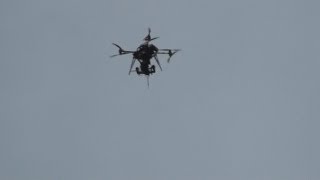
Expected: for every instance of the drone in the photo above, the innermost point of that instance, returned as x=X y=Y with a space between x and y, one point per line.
x=144 y=53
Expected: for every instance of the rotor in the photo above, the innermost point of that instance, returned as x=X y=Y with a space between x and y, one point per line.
x=120 y=51
x=170 y=52
x=148 y=37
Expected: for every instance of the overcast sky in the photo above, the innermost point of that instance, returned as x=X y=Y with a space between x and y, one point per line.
x=241 y=100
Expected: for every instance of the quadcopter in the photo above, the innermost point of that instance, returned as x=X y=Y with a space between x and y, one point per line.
x=144 y=53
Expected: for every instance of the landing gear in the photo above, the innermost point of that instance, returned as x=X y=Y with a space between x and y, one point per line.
x=138 y=71
x=152 y=69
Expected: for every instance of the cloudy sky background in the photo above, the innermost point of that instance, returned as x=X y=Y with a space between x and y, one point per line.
x=241 y=101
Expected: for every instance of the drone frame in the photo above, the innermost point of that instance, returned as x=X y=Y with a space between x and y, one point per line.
x=147 y=39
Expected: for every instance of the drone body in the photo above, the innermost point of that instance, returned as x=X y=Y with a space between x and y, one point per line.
x=144 y=53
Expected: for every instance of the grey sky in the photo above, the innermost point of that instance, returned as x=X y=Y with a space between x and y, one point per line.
x=241 y=101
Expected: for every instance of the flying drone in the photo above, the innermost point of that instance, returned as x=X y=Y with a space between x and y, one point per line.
x=144 y=53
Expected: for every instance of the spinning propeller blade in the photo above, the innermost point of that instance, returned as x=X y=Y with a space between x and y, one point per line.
x=153 y=38
x=114 y=55
x=148 y=37
x=120 y=54
x=170 y=55
x=121 y=51
x=170 y=52
x=169 y=49
x=117 y=45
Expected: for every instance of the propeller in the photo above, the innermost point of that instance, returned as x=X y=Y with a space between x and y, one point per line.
x=170 y=52
x=148 y=37
x=118 y=55
x=154 y=38
x=121 y=51
x=169 y=49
